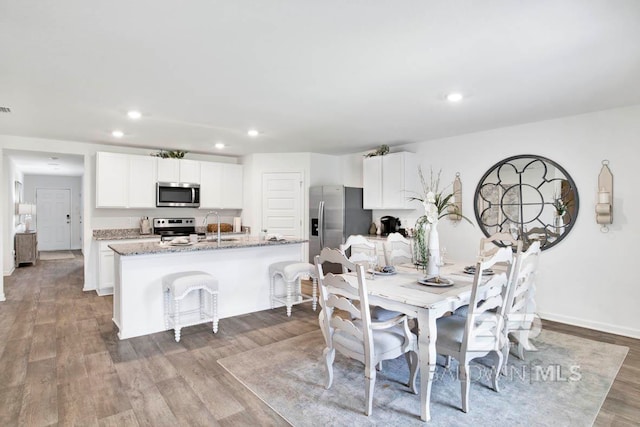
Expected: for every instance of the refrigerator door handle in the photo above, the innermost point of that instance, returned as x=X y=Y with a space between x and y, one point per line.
x=321 y=223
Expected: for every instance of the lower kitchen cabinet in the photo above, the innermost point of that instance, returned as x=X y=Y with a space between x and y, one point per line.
x=106 y=265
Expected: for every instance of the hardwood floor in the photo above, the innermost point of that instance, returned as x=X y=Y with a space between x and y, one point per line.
x=62 y=363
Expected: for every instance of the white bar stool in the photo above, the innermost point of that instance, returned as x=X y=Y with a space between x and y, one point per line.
x=291 y=272
x=176 y=287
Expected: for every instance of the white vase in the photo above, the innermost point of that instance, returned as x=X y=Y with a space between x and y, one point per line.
x=433 y=265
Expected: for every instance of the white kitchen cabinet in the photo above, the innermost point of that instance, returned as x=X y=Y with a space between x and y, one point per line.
x=372 y=183
x=142 y=183
x=390 y=180
x=210 y=185
x=232 y=186
x=125 y=181
x=178 y=170
x=221 y=186
x=106 y=266
x=112 y=178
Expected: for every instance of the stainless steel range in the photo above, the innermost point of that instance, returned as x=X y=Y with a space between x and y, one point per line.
x=168 y=228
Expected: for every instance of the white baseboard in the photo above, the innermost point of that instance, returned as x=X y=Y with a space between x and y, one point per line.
x=10 y=272
x=2 y=298
x=598 y=326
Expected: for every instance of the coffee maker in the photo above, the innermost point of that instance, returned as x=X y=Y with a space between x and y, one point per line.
x=390 y=224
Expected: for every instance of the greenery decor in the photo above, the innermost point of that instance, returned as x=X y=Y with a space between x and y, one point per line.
x=384 y=149
x=437 y=204
x=167 y=154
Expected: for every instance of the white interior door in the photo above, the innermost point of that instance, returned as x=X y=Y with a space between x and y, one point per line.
x=53 y=218
x=282 y=198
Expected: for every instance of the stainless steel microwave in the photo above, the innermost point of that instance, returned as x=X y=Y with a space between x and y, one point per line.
x=177 y=194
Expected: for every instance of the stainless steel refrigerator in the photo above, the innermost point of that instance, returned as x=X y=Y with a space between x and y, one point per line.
x=336 y=212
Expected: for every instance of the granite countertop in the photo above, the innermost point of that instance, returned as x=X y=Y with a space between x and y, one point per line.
x=121 y=234
x=147 y=248
x=134 y=233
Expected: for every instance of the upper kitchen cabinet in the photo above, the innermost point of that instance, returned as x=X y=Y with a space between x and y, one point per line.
x=221 y=186
x=125 y=181
x=142 y=184
x=178 y=170
x=390 y=180
x=232 y=186
x=112 y=178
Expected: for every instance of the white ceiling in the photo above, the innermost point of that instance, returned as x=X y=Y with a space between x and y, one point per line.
x=320 y=76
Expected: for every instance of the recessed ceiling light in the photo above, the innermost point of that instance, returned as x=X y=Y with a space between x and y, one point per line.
x=455 y=97
x=219 y=145
x=253 y=133
x=117 y=134
x=134 y=115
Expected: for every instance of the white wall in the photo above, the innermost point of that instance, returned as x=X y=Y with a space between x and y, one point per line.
x=586 y=279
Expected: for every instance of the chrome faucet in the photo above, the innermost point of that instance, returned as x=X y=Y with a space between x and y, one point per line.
x=204 y=222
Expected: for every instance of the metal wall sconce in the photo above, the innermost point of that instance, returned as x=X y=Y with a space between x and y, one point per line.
x=455 y=208
x=604 y=207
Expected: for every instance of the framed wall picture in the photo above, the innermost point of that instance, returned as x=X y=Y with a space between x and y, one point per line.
x=17 y=199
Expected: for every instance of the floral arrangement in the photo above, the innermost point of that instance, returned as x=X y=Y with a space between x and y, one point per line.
x=384 y=149
x=164 y=154
x=559 y=205
x=437 y=204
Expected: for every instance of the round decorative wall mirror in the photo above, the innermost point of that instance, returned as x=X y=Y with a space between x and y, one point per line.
x=530 y=197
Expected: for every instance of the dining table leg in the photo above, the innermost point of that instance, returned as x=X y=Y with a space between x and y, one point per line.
x=427 y=334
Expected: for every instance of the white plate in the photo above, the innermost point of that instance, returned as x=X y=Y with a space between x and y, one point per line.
x=444 y=282
x=381 y=273
x=487 y=272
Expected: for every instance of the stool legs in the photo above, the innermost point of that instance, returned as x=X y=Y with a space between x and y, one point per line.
x=289 y=300
x=314 y=293
x=176 y=320
x=272 y=291
x=214 y=298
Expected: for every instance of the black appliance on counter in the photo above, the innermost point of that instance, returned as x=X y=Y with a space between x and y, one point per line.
x=390 y=224
x=168 y=228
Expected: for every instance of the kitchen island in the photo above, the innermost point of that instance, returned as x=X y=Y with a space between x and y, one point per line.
x=241 y=267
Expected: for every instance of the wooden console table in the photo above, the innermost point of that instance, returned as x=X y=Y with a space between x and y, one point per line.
x=26 y=245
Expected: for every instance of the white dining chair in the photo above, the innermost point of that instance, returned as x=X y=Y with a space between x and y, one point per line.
x=481 y=332
x=364 y=252
x=360 y=251
x=351 y=331
x=520 y=310
x=397 y=250
x=489 y=246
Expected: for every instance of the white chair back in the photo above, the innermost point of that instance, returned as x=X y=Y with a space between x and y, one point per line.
x=360 y=251
x=345 y=321
x=520 y=303
x=490 y=245
x=336 y=292
x=397 y=250
x=485 y=321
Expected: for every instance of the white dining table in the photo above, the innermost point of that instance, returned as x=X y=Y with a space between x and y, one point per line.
x=402 y=292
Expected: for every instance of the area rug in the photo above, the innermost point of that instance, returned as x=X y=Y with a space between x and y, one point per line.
x=564 y=383
x=54 y=255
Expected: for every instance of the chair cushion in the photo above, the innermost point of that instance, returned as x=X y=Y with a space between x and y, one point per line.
x=462 y=311
x=381 y=314
x=183 y=282
x=451 y=333
x=383 y=340
x=291 y=270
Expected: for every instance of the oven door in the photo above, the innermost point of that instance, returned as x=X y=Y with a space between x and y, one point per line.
x=177 y=194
